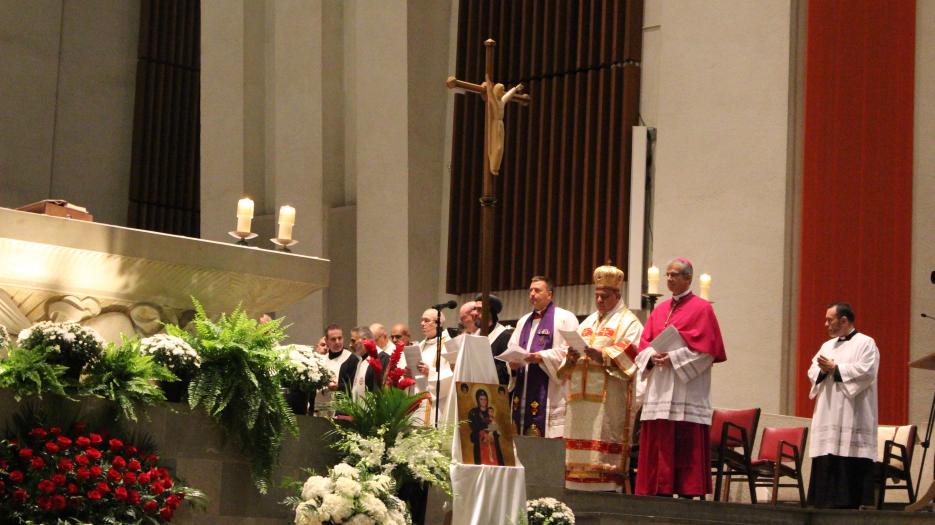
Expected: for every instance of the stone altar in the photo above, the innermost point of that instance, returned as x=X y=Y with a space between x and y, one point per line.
x=121 y=280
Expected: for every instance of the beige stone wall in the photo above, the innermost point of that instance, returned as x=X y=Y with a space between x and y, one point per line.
x=66 y=113
x=922 y=331
x=716 y=84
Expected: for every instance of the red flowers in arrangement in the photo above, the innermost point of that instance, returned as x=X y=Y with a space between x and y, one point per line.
x=82 y=476
x=373 y=358
x=397 y=376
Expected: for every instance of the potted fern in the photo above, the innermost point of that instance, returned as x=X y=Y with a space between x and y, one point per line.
x=239 y=385
x=127 y=377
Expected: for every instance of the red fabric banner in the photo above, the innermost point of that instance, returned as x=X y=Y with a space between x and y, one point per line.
x=857 y=185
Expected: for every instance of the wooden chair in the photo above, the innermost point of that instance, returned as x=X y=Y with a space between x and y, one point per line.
x=894 y=460
x=731 y=435
x=780 y=456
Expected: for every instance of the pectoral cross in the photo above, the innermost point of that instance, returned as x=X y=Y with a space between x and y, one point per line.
x=495 y=97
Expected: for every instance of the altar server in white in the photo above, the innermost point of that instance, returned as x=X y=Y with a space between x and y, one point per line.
x=538 y=394
x=843 y=437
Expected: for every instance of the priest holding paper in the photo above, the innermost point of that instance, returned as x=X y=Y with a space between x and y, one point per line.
x=680 y=342
x=843 y=444
x=537 y=394
x=425 y=372
x=599 y=367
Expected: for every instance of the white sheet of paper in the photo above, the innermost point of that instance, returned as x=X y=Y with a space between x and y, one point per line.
x=514 y=354
x=573 y=339
x=668 y=340
x=413 y=358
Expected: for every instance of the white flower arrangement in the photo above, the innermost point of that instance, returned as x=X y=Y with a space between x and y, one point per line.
x=172 y=352
x=4 y=336
x=422 y=451
x=548 y=511
x=68 y=343
x=304 y=368
x=350 y=495
x=418 y=452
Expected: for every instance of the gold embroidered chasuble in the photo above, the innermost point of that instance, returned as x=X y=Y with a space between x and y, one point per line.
x=600 y=403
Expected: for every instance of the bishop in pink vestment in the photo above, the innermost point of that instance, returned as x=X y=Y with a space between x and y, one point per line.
x=675 y=455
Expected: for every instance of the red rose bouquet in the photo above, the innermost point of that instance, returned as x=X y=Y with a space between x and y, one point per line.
x=51 y=475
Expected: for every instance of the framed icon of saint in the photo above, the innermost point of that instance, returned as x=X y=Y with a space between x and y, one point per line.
x=486 y=429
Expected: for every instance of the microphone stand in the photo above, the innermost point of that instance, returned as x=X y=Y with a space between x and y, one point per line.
x=438 y=361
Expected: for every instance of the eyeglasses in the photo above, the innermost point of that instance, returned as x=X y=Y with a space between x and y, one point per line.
x=396 y=336
x=673 y=274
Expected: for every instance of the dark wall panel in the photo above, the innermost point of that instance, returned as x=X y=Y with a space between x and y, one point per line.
x=564 y=182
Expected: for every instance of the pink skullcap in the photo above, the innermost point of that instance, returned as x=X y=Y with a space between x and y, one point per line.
x=684 y=261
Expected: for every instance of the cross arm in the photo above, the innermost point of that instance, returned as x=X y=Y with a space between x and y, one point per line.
x=454 y=83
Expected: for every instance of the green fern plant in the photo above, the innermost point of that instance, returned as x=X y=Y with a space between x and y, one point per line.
x=127 y=377
x=28 y=372
x=239 y=385
x=385 y=412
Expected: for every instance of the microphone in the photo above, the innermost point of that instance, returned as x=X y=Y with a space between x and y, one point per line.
x=928 y=316
x=442 y=306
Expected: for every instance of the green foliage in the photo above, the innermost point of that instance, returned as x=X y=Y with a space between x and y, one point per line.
x=385 y=412
x=239 y=385
x=126 y=377
x=28 y=372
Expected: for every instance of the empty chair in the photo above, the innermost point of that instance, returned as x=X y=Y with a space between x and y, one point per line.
x=732 y=433
x=780 y=456
x=894 y=460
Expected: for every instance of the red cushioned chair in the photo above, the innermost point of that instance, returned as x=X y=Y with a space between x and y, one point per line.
x=731 y=435
x=780 y=456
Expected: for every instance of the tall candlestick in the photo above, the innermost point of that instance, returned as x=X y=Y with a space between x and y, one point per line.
x=244 y=214
x=652 y=280
x=286 y=221
x=705 y=282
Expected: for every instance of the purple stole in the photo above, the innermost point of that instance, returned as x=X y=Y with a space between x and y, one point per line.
x=530 y=396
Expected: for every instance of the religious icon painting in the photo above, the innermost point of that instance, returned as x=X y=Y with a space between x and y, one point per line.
x=486 y=428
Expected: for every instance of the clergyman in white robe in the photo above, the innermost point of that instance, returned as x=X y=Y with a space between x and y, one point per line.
x=843 y=436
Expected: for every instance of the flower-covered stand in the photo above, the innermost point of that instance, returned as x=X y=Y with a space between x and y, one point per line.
x=483 y=494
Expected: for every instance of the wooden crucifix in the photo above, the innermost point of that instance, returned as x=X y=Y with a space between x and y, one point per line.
x=495 y=97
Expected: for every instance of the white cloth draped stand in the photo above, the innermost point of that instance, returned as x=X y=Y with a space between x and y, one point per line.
x=483 y=494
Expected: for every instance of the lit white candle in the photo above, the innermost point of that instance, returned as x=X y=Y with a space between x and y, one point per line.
x=286 y=221
x=244 y=214
x=652 y=280
x=705 y=283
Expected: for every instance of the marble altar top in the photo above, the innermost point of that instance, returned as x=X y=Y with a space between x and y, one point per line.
x=125 y=265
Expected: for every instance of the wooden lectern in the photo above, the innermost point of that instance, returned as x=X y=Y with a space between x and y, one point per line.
x=923 y=502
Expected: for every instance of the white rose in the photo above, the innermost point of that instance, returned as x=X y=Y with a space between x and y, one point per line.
x=315 y=487
x=360 y=519
x=338 y=508
x=343 y=470
x=347 y=486
x=306 y=514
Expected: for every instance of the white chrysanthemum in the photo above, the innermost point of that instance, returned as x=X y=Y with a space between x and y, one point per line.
x=396 y=517
x=315 y=487
x=347 y=487
x=306 y=514
x=343 y=470
x=372 y=505
x=335 y=507
x=360 y=519
x=171 y=351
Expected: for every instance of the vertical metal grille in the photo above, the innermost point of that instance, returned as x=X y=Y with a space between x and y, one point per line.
x=564 y=182
x=165 y=174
